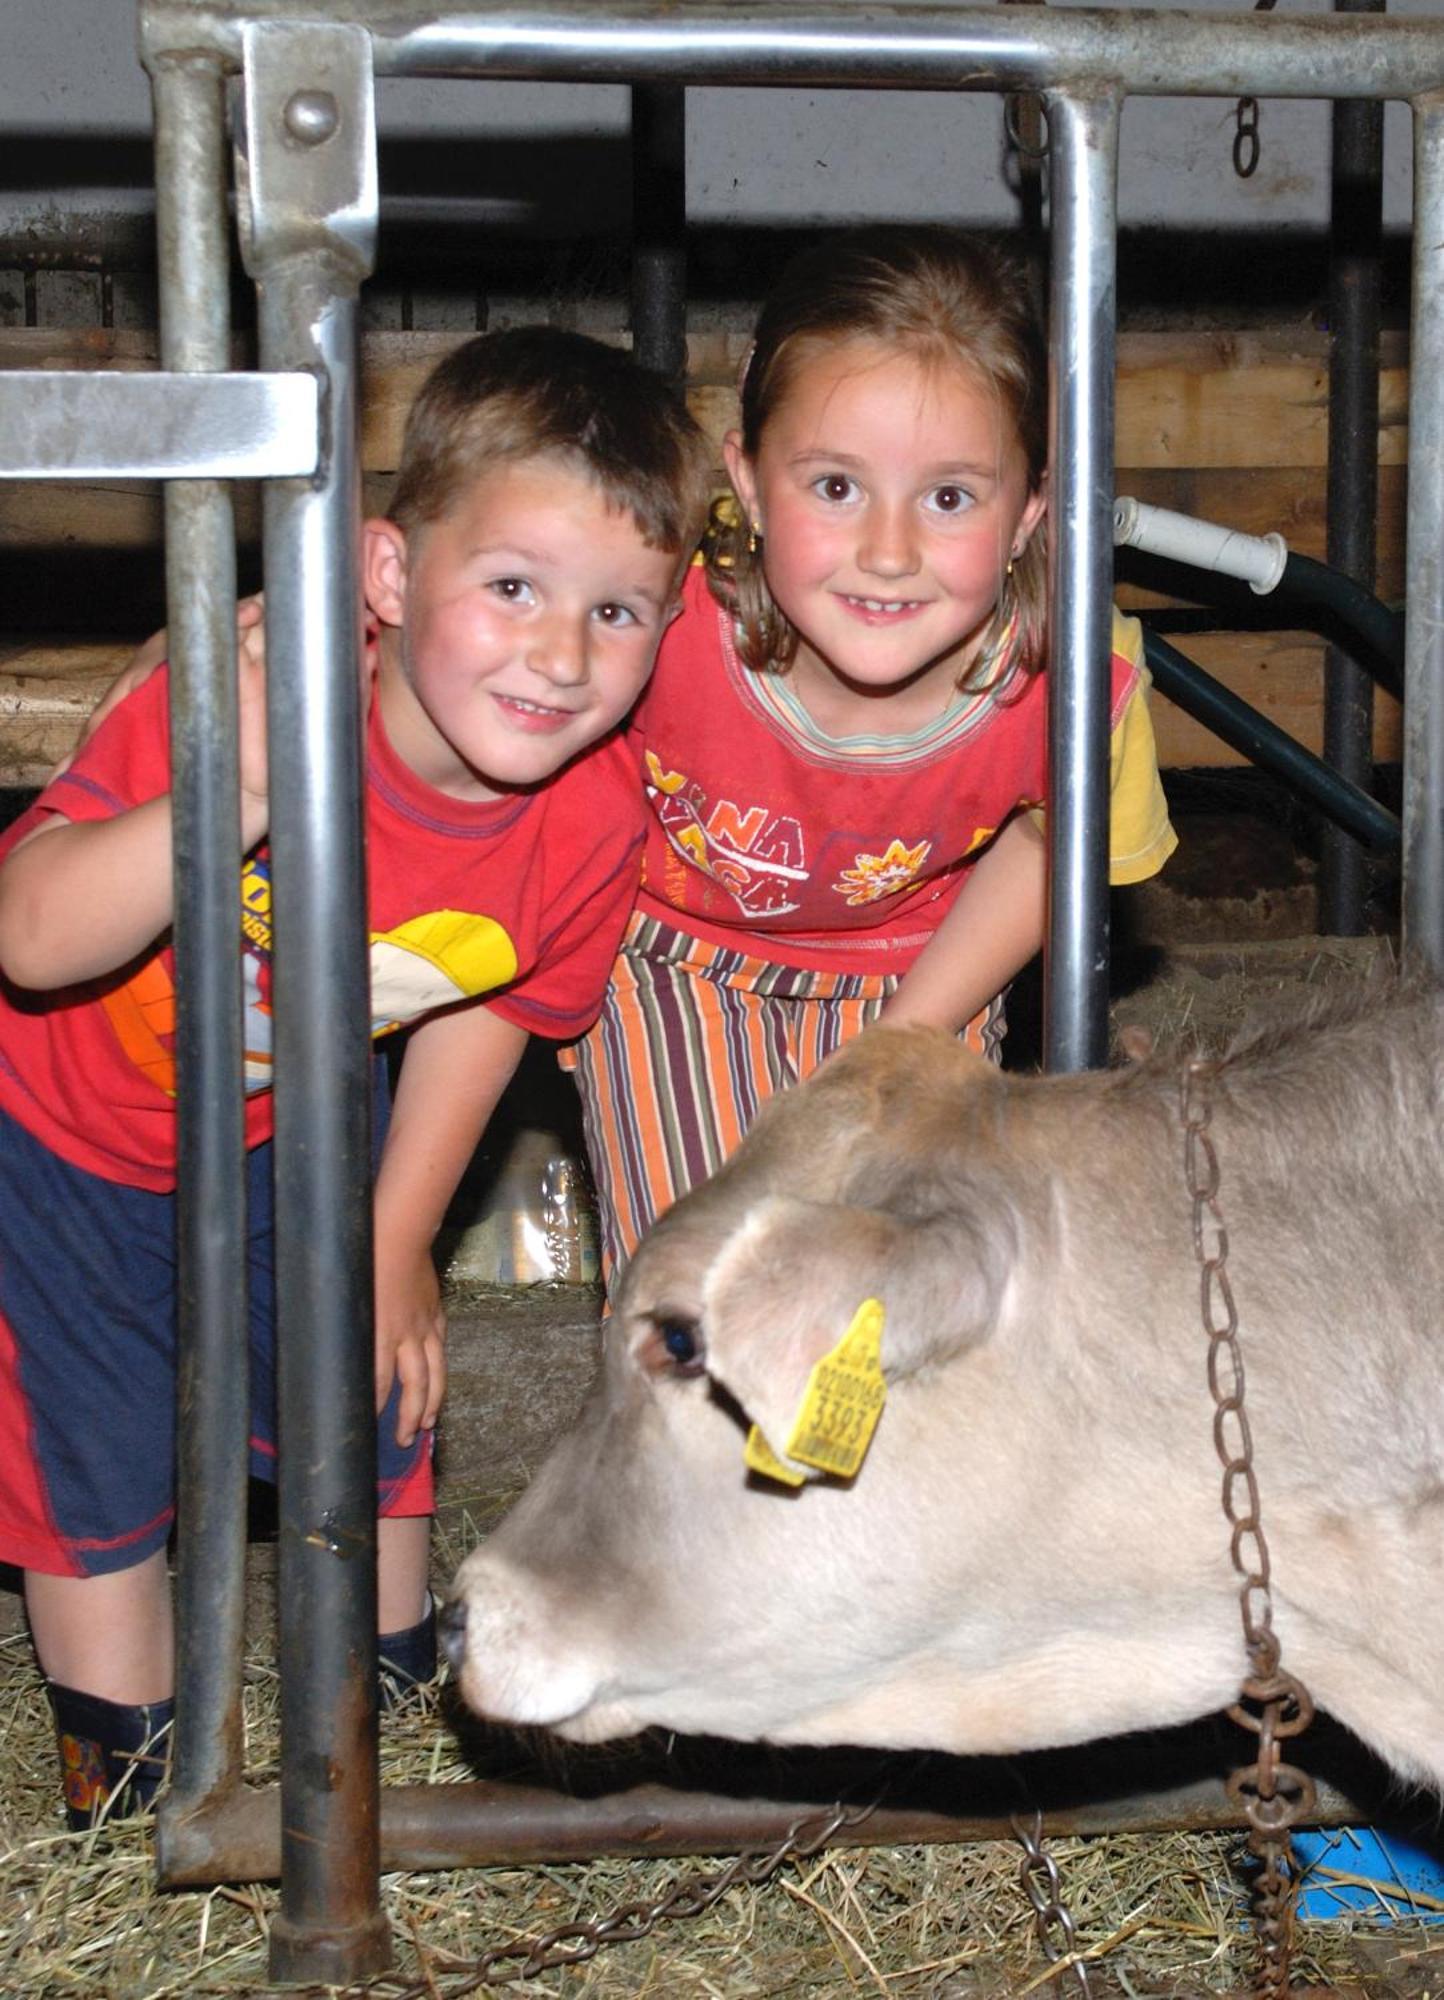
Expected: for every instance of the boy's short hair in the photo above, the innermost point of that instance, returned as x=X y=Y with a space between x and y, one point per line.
x=531 y=391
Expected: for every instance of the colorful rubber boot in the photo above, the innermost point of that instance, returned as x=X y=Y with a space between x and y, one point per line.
x=114 y=1756
x=406 y=1660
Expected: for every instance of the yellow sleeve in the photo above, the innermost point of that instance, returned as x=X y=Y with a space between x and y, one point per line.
x=1140 y=836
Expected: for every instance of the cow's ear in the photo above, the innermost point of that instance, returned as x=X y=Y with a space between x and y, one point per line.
x=787 y=1285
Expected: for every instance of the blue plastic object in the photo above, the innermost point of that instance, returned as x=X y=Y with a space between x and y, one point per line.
x=1353 y=1871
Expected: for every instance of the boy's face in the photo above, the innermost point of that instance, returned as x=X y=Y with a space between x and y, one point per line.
x=521 y=627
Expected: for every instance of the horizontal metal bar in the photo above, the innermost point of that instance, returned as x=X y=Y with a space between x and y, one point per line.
x=486 y=1824
x=93 y=423
x=883 y=46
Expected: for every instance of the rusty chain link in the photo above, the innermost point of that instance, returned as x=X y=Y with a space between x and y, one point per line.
x=1272 y=1795
x=447 y=1977
x=1038 y=1875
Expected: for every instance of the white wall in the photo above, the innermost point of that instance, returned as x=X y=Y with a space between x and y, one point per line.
x=69 y=71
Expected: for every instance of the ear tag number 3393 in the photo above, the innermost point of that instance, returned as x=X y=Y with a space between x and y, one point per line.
x=839 y=1409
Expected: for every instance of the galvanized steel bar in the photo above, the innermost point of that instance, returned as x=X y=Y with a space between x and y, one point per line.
x=1423 y=814
x=1355 y=245
x=306 y=177
x=86 y=424
x=1083 y=160
x=213 y=1390
x=882 y=47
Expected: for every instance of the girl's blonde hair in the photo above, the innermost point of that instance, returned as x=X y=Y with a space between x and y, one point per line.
x=933 y=292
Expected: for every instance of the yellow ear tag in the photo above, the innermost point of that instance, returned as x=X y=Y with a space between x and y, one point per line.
x=760 y=1457
x=843 y=1399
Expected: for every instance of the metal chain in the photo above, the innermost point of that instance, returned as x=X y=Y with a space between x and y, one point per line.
x=1245 y=138
x=1025 y=119
x=1038 y=1875
x=1025 y=124
x=449 y=1978
x=1273 y=1796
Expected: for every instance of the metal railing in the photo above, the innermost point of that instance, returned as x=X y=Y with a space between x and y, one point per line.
x=302 y=78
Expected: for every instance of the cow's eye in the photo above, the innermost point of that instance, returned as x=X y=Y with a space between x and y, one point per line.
x=683 y=1341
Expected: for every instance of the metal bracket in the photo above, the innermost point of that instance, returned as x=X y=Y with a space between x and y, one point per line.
x=306 y=145
x=92 y=424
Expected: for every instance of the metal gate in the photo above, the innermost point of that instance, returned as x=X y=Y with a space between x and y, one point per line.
x=300 y=79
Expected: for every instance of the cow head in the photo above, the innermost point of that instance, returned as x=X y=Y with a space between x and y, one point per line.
x=653 y=1576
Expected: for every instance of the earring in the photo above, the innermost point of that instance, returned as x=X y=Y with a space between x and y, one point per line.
x=754 y=536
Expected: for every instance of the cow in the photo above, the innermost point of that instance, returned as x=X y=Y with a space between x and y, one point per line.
x=1031 y=1551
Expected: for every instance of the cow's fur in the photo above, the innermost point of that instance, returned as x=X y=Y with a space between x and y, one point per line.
x=1034 y=1552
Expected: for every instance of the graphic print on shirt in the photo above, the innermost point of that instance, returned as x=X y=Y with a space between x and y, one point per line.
x=759 y=857
x=873 y=876
x=430 y=961
x=756 y=855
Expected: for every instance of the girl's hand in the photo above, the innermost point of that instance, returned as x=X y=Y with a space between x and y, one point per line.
x=410 y=1339
x=995 y=926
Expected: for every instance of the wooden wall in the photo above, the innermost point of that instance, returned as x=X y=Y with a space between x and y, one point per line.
x=1229 y=426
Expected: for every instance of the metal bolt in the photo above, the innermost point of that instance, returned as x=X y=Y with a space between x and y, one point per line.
x=311 y=116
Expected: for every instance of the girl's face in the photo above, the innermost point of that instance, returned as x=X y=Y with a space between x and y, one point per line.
x=890 y=495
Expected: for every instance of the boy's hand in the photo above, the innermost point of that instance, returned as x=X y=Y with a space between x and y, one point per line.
x=456 y=1066
x=410 y=1340
x=148 y=656
x=251 y=697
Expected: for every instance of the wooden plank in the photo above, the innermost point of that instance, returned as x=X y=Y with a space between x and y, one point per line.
x=393 y=367
x=121 y=514
x=125 y=514
x=1215 y=399
x=46 y=692
x=48 y=686
x=79 y=347
x=1224 y=399
x=1228 y=426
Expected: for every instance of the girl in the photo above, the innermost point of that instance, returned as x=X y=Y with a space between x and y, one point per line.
x=845 y=741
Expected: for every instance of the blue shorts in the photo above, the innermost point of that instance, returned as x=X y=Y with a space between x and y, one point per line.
x=88 y=1365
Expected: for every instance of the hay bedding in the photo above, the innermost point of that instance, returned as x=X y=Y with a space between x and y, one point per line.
x=80 y=1916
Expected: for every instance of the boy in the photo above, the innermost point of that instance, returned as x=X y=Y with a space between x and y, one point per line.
x=550 y=494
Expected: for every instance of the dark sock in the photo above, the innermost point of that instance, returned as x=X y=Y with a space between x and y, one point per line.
x=406 y=1660
x=109 y=1750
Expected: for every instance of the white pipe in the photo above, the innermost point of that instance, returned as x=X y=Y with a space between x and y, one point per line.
x=1257 y=560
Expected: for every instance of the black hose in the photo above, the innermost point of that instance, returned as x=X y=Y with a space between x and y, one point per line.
x=1313 y=585
x=1208 y=701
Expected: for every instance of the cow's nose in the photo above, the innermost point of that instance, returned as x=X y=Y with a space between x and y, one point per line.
x=451 y=1629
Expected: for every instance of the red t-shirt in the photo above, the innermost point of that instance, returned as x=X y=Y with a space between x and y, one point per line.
x=769 y=837
x=522 y=899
